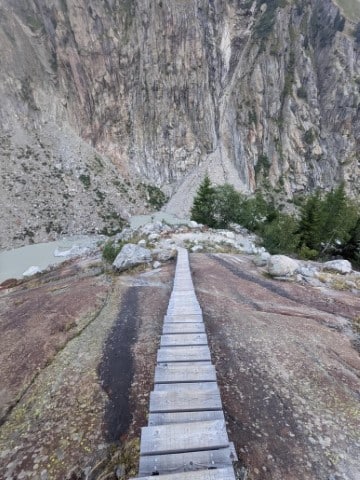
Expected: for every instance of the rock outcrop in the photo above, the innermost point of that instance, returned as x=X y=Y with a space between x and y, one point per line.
x=96 y=99
x=130 y=256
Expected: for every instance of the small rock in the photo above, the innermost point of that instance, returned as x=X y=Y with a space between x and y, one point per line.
x=120 y=471
x=193 y=224
x=282 y=266
x=197 y=248
x=142 y=243
x=156 y=264
x=130 y=256
x=32 y=271
x=261 y=259
x=339 y=266
x=307 y=272
x=153 y=236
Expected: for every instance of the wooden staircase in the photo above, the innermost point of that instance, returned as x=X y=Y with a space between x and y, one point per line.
x=186 y=435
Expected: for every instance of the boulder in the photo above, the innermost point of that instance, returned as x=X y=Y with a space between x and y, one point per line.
x=339 y=266
x=282 y=266
x=164 y=255
x=130 y=256
x=152 y=228
x=261 y=259
x=197 y=248
x=193 y=224
x=125 y=234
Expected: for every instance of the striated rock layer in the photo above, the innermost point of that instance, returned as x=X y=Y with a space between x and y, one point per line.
x=96 y=97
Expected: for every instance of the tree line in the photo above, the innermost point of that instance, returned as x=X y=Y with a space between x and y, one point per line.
x=325 y=225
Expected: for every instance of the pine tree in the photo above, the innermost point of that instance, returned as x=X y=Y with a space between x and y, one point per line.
x=340 y=217
x=226 y=205
x=202 y=210
x=311 y=222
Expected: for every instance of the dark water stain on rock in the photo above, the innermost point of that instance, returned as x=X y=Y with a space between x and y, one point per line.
x=116 y=368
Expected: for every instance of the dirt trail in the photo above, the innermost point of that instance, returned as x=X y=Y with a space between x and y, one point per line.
x=288 y=372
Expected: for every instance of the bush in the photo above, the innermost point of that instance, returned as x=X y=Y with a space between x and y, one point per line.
x=110 y=251
x=279 y=236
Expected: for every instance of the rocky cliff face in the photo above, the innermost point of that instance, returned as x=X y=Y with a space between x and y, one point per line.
x=96 y=97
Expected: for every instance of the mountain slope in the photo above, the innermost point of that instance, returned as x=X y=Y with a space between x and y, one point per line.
x=259 y=94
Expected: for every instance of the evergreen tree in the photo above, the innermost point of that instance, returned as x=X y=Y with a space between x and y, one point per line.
x=226 y=205
x=351 y=250
x=311 y=222
x=202 y=210
x=340 y=217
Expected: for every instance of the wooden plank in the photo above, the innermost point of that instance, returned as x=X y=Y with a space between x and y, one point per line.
x=185 y=372
x=184 y=401
x=193 y=317
x=183 y=437
x=183 y=327
x=182 y=339
x=185 y=462
x=184 y=417
x=184 y=354
x=217 y=474
x=172 y=387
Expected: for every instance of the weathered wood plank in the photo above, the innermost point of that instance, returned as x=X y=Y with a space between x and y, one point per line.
x=183 y=327
x=184 y=354
x=217 y=474
x=184 y=417
x=184 y=401
x=185 y=462
x=185 y=372
x=183 y=437
x=183 y=339
x=173 y=387
x=193 y=317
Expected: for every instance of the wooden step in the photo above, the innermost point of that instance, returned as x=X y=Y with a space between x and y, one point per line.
x=193 y=317
x=173 y=387
x=185 y=462
x=185 y=372
x=184 y=417
x=217 y=474
x=190 y=353
x=183 y=339
x=183 y=437
x=184 y=401
x=183 y=327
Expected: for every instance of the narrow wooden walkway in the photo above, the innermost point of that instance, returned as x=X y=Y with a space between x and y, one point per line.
x=186 y=436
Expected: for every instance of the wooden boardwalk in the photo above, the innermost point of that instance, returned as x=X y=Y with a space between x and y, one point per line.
x=186 y=435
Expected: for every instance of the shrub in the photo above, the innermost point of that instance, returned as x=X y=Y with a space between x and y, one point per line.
x=279 y=236
x=110 y=251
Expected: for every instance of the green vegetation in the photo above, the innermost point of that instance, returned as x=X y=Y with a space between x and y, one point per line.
x=153 y=195
x=326 y=225
x=111 y=250
x=266 y=22
x=263 y=165
x=85 y=180
x=203 y=207
x=309 y=136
